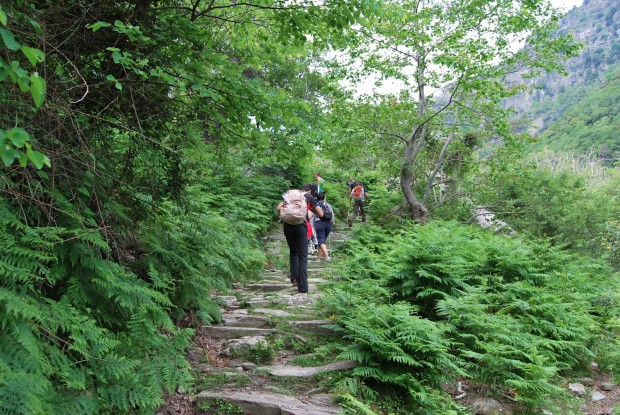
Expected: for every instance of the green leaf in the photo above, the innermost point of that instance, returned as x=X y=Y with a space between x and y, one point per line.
x=98 y=25
x=18 y=136
x=37 y=89
x=2 y=16
x=37 y=158
x=34 y=55
x=9 y=39
x=23 y=159
x=8 y=154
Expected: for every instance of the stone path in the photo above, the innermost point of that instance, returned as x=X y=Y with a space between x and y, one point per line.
x=260 y=360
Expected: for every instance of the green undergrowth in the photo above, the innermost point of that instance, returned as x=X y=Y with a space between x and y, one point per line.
x=421 y=306
x=206 y=381
x=95 y=319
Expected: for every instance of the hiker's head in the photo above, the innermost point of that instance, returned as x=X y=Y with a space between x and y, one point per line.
x=320 y=197
x=306 y=188
x=317 y=174
x=351 y=179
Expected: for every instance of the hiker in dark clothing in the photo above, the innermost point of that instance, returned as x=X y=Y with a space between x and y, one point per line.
x=323 y=227
x=351 y=183
x=296 y=238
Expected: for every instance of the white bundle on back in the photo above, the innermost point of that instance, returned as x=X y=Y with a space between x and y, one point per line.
x=294 y=210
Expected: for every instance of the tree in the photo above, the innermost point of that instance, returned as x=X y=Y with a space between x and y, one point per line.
x=457 y=58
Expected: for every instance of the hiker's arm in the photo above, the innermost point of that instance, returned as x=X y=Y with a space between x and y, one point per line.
x=318 y=211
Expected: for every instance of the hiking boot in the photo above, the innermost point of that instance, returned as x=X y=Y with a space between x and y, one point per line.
x=328 y=259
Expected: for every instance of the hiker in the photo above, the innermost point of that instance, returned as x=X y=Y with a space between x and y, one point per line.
x=296 y=209
x=323 y=227
x=359 y=195
x=351 y=183
x=319 y=181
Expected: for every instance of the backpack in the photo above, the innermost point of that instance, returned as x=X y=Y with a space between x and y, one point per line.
x=358 y=193
x=327 y=212
x=294 y=210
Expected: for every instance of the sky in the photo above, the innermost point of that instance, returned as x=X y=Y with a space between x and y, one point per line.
x=566 y=4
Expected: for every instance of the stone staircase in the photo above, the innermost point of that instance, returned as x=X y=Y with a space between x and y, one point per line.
x=261 y=359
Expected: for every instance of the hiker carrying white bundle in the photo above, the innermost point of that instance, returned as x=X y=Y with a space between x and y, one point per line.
x=297 y=207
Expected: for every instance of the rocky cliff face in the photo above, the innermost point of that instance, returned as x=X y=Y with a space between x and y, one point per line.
x=597 y=25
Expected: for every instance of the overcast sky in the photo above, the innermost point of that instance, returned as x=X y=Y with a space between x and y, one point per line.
x=566 y=4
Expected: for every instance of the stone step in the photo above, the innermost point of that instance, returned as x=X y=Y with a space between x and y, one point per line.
x=273 y=312
x=235 y=320
x=227 y=332
x=268 y=287
x=314 y=326
x=305 y=372
x=229 y=301
x=258 y=302
x=265 y=403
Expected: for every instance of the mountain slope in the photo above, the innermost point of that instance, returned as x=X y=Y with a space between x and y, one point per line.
x=597 y=25
x=588 y=118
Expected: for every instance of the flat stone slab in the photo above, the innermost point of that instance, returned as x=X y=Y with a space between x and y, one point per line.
x=227 y=332
x=305 y=372
x=273 y=312
x=269 y=287
x=259 y=302
x=265 y=403
x=229 y=301
x=313 y=326
x=240 y=320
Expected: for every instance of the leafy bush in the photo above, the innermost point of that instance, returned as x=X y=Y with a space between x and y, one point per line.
x=77 y=326
x=511 y=313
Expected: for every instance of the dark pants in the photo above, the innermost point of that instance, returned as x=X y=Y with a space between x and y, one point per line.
x=298 y=254
x=323 y=228
x=358 y=206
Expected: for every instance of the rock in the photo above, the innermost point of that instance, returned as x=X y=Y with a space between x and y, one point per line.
x=299 y=371
x=547 y=412
x=585 y=381
x=181 y=390
x=594 y=366
x=597 y=396
x=272 y=312
x=229 y=332
x=318 y=391
x=314 y=326
x=194 y=357
x=322 y=399
x=269 y=403
x=488 y=406
x=577 y=388
x=248 y=366
x=300 y=338
x=240 y=320
x=235 y=346
x=607 y=386
x=229 y=301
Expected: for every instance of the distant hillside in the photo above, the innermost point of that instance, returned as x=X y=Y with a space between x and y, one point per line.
x=597 y=24
x=587 y=118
